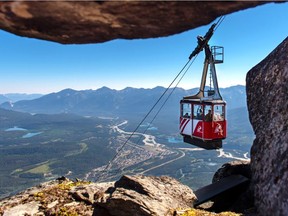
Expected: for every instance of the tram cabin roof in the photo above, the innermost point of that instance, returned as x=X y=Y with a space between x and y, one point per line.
x=203 y=101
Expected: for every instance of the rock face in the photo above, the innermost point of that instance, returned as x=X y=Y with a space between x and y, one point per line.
x=99 y=21
x=146 y=195
x=267 y=96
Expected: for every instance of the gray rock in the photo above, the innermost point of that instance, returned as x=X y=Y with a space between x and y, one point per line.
x=239 y=199
x=267 y=97
x=233 y=168
x=23 y=209
x=90 y=193
x=146 y=195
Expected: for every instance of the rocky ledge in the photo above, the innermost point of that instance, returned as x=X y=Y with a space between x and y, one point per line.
x=131 y=195
x=79 y=22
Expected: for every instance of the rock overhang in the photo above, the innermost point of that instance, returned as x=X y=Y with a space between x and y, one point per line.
x=82 y=22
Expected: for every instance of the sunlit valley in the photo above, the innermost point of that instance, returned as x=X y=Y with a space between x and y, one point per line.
x=76 y=133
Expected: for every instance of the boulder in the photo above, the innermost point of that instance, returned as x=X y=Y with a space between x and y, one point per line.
x=81 y=22
x=267 y=98
x=146 y=195
x=240 y=199
x=233 y=168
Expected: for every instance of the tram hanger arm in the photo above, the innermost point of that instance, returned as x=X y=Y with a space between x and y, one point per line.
x=202 y=41
x=209 y=60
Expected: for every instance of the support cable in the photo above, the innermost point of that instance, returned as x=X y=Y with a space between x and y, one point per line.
x=150 y=123
x=220 y=20
x=152 y=108
x=193 y=55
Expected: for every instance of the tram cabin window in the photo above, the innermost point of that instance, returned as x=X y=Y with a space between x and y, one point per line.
x=186 y=110
x=197 y=112
x=208 y=113
x=218 y=113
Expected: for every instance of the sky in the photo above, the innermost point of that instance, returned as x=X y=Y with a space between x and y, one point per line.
x=37 y=66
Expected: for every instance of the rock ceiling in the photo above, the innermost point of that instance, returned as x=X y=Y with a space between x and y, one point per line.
x=80 y=22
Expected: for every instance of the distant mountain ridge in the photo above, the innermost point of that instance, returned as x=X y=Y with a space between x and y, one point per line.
x=110 y=102
x=14 y=97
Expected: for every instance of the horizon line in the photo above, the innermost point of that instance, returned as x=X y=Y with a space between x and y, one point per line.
x=25 y=93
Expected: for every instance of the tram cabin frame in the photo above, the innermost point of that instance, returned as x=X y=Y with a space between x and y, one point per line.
x=201 y=127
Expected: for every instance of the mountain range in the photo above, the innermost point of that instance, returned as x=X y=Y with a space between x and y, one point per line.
x=112 y=103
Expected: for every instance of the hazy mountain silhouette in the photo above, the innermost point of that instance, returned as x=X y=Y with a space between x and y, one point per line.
x=105 y=101
x=13 y=97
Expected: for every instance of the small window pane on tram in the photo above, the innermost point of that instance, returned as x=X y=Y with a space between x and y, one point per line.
x=186 y=110
x=218 y=113
x=197 y=112
x=208 y=113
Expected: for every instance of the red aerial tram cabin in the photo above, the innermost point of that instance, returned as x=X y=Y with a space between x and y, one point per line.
x=203 y=123
x=203 y=116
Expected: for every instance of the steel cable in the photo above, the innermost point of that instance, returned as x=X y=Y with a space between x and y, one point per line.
x=220 y=20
